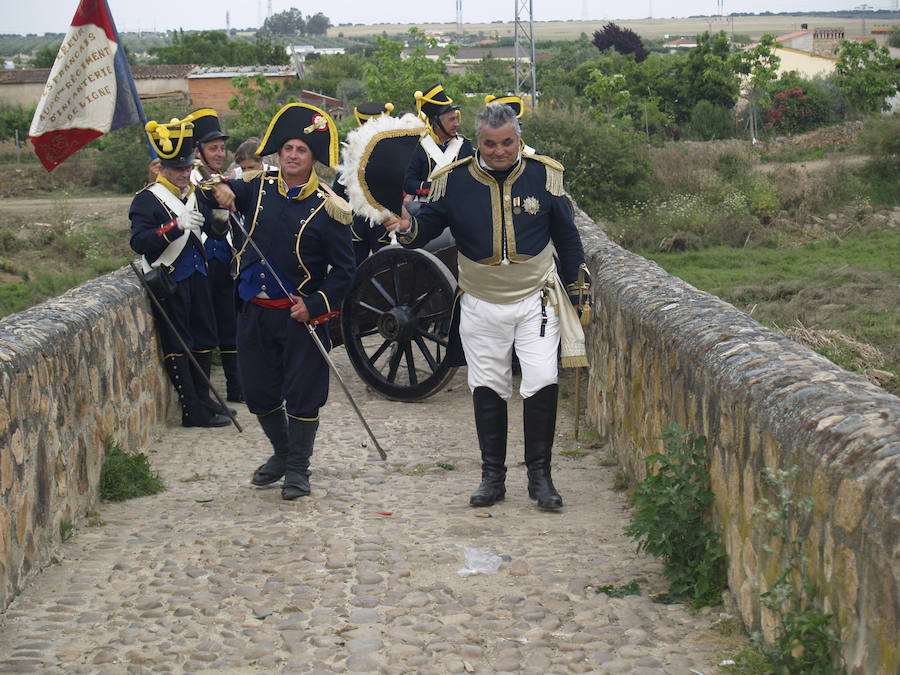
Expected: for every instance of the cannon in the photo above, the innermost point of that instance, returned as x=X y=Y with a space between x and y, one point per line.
x=395 y=321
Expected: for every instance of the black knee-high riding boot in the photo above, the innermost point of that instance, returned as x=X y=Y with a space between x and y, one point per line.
x=539 y=420
x=491 y=426
x=275 y=426
x=302 y=438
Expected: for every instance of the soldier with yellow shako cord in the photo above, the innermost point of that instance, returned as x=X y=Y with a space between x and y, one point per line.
x=509 y=214
x=302 y=229
x=166 y=229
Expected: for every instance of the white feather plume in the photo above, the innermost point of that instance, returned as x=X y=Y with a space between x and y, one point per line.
x=351 y=153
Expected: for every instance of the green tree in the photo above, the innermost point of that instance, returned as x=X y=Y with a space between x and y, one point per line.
x=894 y=39
x=760 y=66
x=318 y=24
x=288 y=22
x=489 y=76
x=707 y=74
x=215 y=48
x=325 y=73
x=866 y=74
x=45 y=57
x=255 y=103
x=15 y=118
x=390 y=77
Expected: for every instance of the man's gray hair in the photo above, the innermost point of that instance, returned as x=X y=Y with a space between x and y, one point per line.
x=496 y=115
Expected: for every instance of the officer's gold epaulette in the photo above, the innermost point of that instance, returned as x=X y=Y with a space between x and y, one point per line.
x=336 y=207
x=247 y=176
x=438 y=178
x=555 y=171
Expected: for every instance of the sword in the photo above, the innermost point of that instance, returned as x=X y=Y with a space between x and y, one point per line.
x=187 y=350
x=238 y=220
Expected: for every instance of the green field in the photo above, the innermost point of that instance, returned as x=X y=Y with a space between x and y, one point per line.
x=850 y=285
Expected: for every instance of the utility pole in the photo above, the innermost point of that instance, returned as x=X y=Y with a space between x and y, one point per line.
x=525 y=67
x=459 y=26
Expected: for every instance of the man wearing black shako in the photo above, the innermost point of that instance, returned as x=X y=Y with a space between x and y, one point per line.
x=508 y=213
x=302 y=229
x=166 y=229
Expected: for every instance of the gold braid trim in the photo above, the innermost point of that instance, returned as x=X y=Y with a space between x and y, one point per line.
x=336 y=207
x=438 y=179
x=555 y=171
x=248 y=176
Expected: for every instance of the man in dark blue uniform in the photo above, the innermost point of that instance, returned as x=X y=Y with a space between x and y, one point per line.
x=165 y=229
x=302 y=229
x=509 y=213
x=439 y=145
x=210 y=144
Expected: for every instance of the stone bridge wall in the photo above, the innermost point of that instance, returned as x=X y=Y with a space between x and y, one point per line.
x=662 y=352
x=73 y=371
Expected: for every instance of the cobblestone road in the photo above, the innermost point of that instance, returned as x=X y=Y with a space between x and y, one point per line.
x=214 y=576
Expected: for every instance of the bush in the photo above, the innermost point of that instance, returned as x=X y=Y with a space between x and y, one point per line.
x=606 y=166
x=125 y=476
x=880 y=138
x=15 y=118
x=710 y=122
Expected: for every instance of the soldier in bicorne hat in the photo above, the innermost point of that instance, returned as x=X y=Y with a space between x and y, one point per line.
x=439 y=146
x=166 y=229
x=209 y=141
x=302 y=229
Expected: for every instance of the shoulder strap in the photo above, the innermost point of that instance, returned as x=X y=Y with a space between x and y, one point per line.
x=178 y=208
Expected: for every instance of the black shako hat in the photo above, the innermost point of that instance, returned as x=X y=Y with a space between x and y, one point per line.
x=172 y=142
x=206 y=125
x=366 y=111
x=514 y=102
x=306 y=122
x=434 y=102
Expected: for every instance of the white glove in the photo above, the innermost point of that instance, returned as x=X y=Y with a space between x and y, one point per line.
x=191 y=222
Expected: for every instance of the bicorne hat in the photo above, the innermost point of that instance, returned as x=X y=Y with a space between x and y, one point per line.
x=173 y=142
x=434 y=102
x=514 y=102
x=367 y=111
x=306 y=122
x=206 y=125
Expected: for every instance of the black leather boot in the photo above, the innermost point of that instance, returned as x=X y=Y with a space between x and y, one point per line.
x=275 y=426
x=302 y=437
x=539 y=420
x=193 y=412
x=490 y=425
x=204 y=360
x=233 y=390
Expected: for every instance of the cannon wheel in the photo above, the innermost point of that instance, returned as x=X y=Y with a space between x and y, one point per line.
x=395 y=322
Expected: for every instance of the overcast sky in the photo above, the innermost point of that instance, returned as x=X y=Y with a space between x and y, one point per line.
x=54 y=16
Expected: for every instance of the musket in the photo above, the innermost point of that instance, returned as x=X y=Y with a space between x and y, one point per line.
x=238 y=220
x=584 y=302
x=187 y=350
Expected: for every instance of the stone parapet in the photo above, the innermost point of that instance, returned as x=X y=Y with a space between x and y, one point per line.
x=662 y=351
x=74 y=371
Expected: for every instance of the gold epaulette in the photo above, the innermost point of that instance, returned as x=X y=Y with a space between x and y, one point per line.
x=555 y=171
x=438 y=178
x=247 y=176
x=336 y=207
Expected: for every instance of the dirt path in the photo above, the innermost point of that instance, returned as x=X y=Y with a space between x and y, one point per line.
x=42 y=207
x=813 y=165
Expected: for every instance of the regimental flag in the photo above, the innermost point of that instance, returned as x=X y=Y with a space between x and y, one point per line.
x=90 y=90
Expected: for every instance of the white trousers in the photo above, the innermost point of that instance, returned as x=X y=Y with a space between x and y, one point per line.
x=489 y=332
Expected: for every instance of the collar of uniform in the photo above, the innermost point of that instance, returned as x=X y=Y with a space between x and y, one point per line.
x=305 y=191
x=181 y=194
x=486 y=169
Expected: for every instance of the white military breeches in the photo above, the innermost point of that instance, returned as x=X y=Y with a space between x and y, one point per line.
x=489 y=332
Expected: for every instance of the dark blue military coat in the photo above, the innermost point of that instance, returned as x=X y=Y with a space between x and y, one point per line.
x=306 y=239
x=513 y=218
